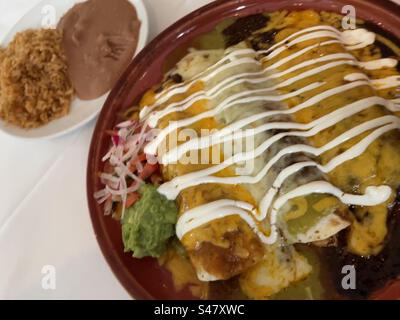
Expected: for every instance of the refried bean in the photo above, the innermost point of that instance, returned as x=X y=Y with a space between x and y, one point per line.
x=99 y=40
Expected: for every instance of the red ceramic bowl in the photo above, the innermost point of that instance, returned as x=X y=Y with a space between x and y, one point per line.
x=144 y=279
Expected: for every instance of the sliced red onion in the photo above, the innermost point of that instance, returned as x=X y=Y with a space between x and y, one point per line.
x=105 y=198
x=136 y=178
x=126 y=145
x=108 y=154
x=123 y=133
x=127 y=172
x=108 y=207
x=139 y=166
x=119 y=192
x=126 y=124
x=100 y=194
x=113 y=185
x=115 y=140
x=109 y=177
x=124 y=196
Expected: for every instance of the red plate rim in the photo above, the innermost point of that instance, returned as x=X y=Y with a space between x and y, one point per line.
x=144 y=279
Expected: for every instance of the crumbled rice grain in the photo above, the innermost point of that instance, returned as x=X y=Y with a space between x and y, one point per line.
x=34 y=84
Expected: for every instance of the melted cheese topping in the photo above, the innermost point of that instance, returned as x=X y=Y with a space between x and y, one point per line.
x=296 y=63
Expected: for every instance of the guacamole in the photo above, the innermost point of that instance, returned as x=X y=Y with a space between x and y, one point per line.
x=149 y=223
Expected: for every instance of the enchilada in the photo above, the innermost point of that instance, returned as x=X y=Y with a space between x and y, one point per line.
x=286 y=137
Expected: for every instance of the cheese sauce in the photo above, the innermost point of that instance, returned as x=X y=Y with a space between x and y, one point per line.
x=290 y=86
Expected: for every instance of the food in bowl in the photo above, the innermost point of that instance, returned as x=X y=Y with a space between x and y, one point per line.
x=276 y=157
x=43 y=71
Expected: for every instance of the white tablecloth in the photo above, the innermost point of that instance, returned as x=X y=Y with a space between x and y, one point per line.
x=44 y=218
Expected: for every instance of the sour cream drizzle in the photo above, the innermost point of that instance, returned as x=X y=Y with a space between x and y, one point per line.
x=175 y=153
x=351 y=39
x=238 y=98
x=378 y=84
x=244 y=77
x=172 y=188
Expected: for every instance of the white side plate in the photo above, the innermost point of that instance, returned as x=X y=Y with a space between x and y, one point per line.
x=81 y=111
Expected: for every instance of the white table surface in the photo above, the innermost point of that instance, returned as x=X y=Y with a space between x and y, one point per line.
x=44 y=218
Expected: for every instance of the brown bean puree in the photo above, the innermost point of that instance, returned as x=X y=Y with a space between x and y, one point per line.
x=99 y=40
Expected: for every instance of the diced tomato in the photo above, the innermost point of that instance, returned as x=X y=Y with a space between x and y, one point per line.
x=133 y=163
x=148 y=170
x=141 y=157
x=131 y=199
